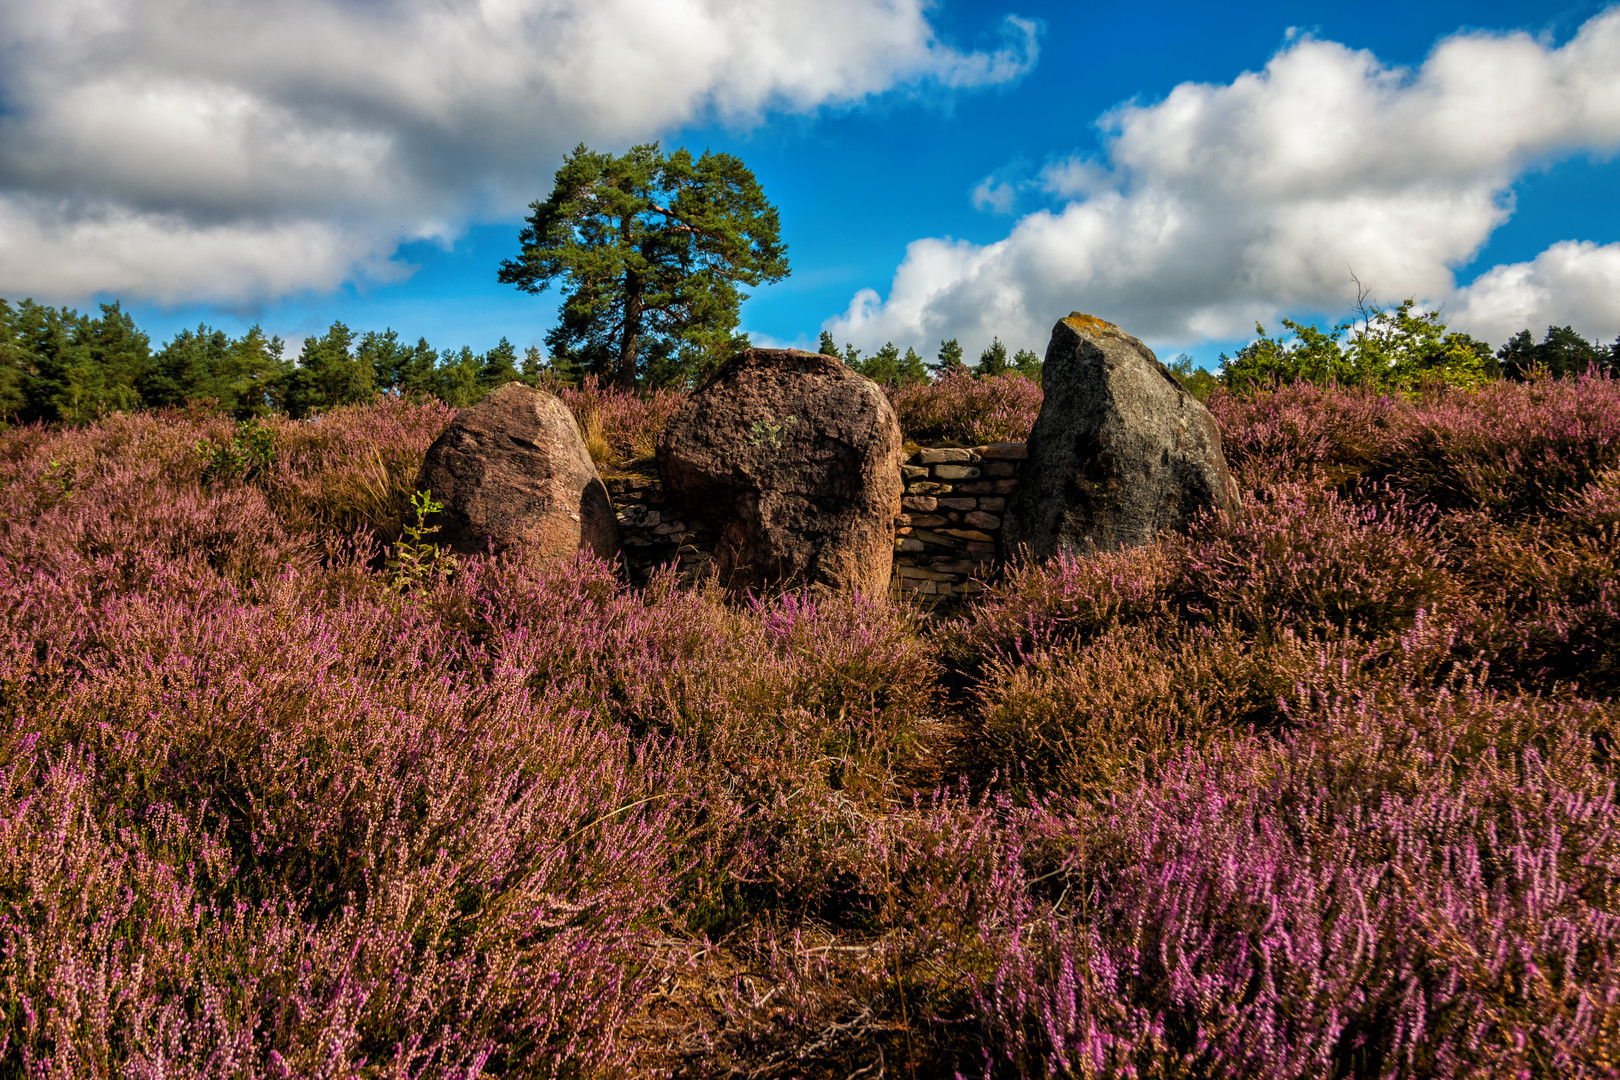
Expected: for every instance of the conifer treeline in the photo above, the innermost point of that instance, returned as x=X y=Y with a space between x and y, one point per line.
x=888 y=367
x=59 y=365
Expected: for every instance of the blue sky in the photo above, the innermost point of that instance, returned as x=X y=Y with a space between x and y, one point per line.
x=960 y=169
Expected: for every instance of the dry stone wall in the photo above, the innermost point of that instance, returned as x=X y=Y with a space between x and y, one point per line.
x=947 y=539
x=653 y=532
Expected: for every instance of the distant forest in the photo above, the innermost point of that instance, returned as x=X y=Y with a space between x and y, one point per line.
x=58 y=365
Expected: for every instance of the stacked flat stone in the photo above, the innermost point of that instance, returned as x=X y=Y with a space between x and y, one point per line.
x=654 y=533
x=947 y=538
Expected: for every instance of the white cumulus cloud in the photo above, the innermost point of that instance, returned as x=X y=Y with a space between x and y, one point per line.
x=1572 y=283
x=240 y=149
x=996 y=196
x=1226 y=204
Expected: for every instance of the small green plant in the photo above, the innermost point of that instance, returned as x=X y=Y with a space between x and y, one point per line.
x=248 y=455
x=417 y=560
x=59 y=476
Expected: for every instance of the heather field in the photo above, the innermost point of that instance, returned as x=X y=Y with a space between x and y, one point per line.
x=1327 y=793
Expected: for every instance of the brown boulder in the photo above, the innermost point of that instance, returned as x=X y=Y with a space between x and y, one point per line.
x=1119 y=453
x=796 y=461
x=513 y=470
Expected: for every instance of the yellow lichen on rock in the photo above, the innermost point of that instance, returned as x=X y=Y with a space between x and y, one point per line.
x=1090 y=324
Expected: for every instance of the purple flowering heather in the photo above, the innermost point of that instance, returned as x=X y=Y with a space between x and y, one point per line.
x=1328 y=792
x=962 y=409
x=627 y=423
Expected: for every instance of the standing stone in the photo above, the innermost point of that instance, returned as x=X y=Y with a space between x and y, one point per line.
x=1119 y=452
x=513 y=469
x=796 y=461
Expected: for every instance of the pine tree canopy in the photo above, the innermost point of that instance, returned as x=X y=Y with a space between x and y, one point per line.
x=1028 y=364
x=884 y=365
x=912 y=368
x=650 y=252
x=328 y=374
x=993 y=361
x=1562 y=352
x=60 y=366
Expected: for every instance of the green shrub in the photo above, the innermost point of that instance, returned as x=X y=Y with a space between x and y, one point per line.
x=1389 y=350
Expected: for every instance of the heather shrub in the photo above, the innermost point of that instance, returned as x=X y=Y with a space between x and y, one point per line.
x=844 y=672
x=43 y=468
x=856 y=660
x=147 y=490
x=1259 y=906
x=1512 y=449
x=1036 y=608
x=619 y=427
x=1543 y=599
x=1298 y=565
x=1420 y=886
x=1508 y=448
x=1315 y=793
x=1304 y=433
x=1325 y=792
x=959 y=408
x=1595 y=509
x=354 y=469
x=1318 y=564
x=119 y=524
x=236 y=864
x=932 y=892
x=790 y=708
x=1085 y=719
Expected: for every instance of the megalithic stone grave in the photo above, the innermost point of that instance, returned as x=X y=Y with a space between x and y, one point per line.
x=513 y=470
x=795 y=459
x=1120 y=451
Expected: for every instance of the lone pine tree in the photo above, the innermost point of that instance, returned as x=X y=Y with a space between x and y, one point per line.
x=651 y=251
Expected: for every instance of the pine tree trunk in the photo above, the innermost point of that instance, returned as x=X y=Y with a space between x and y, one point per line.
x=632 y=333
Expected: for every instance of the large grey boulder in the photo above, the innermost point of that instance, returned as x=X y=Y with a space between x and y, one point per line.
x=1119 y=453
x=513 y=470
x=795 y=459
